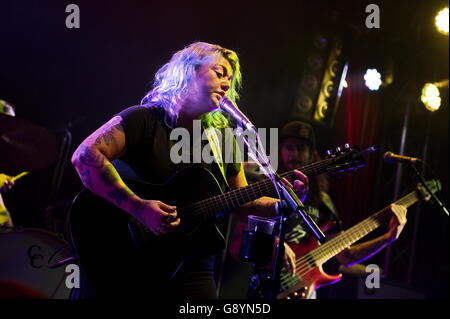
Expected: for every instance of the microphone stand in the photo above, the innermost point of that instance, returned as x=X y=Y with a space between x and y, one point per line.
x=297 y=206
x=289 y=203
x=441 y=205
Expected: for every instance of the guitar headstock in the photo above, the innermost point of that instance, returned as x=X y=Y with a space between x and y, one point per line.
x=345 y=159
x=433 y=185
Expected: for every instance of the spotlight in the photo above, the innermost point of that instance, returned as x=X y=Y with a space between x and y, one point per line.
x=430 y=97
x=372 y=79
x=441 y=21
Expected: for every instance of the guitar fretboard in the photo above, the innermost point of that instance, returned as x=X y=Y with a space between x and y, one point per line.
x=211 y=207
x=334 y=246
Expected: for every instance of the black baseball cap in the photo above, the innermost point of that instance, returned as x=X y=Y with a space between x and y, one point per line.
x=298 y=129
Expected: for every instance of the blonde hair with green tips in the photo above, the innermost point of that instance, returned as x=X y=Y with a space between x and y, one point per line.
x=173 y=78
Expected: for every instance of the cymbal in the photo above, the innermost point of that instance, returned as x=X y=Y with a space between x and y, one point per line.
x=25 y=146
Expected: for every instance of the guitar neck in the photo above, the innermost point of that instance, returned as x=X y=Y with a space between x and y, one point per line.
x=211 y=207
x=334 y=246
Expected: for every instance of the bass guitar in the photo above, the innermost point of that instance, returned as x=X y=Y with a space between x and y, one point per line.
x=309 y=272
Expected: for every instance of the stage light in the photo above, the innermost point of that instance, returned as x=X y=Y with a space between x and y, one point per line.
x=372 y=79
x=442 y=21
x=431 y=97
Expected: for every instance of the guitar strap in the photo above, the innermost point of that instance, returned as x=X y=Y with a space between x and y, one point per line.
x=213 y=140
x=211 y=134
x=326 y=199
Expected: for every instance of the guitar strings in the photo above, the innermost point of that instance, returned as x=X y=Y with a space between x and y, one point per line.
x=245 y=194
x=359 y=230
x=334 y=245
x=303 y=264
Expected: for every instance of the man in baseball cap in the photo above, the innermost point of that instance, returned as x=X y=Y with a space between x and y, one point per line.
x=297 y=145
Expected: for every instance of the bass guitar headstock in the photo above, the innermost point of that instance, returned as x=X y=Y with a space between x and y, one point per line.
x=433 y=185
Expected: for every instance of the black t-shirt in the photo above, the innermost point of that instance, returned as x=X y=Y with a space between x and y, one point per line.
x=297 y=230
x=148 y=147
x=148 y=157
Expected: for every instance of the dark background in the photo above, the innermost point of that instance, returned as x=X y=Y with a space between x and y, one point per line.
x=55 y=76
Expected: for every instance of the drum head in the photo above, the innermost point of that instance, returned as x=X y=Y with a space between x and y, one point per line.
x=26 y=256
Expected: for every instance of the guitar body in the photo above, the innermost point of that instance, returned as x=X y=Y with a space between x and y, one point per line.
x=109 y=242
x=312 y=280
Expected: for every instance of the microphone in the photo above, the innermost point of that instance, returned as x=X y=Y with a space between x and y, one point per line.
x=230 y=107
x=392 y=158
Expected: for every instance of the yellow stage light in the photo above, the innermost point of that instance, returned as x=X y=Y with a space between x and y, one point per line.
x=442 y=21
x=431 y=97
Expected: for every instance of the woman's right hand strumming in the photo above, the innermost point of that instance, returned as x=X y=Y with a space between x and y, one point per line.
x=157 y=216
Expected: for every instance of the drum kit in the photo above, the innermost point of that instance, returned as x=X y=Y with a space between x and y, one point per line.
x=32 y=261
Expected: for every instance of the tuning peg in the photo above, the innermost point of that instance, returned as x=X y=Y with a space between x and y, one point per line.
x=329 y=152
x=338 y=149
x=347 y=146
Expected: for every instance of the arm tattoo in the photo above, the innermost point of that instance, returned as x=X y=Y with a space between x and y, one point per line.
x=85 y=177
x=108 y=135
x=119 y=196
x=109 y=176
x=137 y=208
x=90 y=158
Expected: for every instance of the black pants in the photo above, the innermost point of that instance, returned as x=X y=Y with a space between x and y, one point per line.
x=194 y=280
